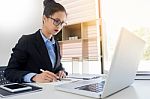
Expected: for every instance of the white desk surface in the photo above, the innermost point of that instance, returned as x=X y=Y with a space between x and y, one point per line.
x=140 y=89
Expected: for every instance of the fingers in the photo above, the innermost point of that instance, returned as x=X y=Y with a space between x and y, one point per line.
x=45 y=77
x=61 y=74
x=50 y=76
x=40 y=78
x=45 y=81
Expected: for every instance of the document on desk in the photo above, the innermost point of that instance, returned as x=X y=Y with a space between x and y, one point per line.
x=65 y=79
x=84 y=76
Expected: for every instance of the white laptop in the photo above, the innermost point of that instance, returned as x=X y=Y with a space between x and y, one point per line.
x=121 y=74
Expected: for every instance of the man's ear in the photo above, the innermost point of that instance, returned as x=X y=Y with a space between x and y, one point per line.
x=44 y=18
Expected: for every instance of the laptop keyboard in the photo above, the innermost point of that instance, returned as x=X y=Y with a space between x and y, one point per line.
x=97 y=87
x=2 y=78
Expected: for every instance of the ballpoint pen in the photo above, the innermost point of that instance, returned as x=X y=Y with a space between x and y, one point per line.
x=44 y=71
x=60 y=79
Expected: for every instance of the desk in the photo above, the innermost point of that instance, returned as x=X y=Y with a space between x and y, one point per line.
x=140 y=89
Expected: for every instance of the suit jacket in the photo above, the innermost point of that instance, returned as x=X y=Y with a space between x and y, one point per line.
x=29 y=56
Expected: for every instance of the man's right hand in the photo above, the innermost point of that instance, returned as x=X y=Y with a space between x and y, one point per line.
x=45 y=77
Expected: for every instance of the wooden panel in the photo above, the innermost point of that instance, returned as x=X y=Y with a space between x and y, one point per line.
x=79 y=10
x=72 y=50
x=90 y=48
x=89 y=30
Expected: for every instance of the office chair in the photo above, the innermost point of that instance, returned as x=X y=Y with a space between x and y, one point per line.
x=2 y=78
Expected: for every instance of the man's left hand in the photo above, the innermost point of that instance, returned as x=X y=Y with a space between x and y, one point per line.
x=61 y=74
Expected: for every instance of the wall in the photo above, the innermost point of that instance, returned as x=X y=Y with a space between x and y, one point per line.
x=17 y=17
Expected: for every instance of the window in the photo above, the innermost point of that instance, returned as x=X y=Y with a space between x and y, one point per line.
x=133 y=15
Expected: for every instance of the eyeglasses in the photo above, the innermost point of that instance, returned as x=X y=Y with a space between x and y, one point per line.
x=58 y=22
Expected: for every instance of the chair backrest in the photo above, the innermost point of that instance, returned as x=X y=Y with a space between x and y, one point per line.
x=2 y=78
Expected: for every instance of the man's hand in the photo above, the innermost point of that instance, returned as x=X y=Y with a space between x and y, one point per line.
x=45 y=77
x=61 y=74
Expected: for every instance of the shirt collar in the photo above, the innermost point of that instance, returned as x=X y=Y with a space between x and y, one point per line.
x=46 y=39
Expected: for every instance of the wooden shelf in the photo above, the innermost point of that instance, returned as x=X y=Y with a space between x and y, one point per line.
x=79 y=37
x=72 y=32
x=71 y=41
x=90 y=38
x=85 y=46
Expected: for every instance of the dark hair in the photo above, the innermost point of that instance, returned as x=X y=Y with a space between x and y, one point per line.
x=50 y=7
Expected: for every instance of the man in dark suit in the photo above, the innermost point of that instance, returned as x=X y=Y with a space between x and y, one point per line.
x=29 y=56
x=36 y=57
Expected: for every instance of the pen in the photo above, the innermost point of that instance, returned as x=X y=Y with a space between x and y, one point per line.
x=44 y=71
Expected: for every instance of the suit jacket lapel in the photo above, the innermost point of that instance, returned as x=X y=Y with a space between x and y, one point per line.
x=41 y=47
x=57 y=54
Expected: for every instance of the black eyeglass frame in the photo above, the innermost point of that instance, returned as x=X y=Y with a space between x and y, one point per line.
x=57 y=22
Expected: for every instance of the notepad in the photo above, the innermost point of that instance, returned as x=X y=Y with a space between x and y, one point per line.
x=84 y=76
x=65 y=79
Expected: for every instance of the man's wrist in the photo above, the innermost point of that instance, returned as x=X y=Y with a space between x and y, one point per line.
x=27 y=77
x=33 y=78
